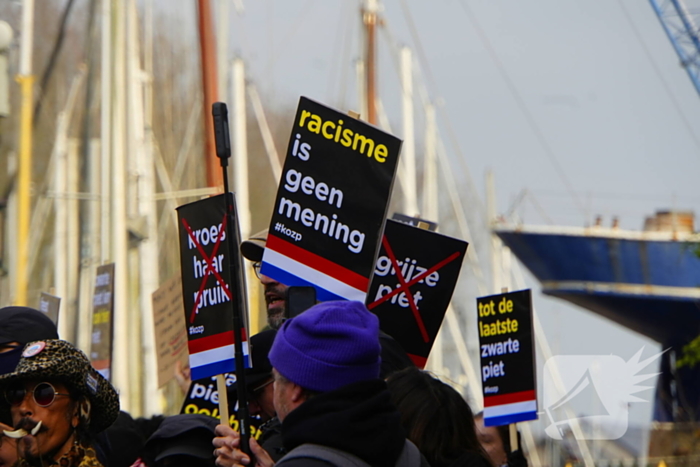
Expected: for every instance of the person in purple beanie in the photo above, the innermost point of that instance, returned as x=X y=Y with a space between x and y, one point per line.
x=334 y=408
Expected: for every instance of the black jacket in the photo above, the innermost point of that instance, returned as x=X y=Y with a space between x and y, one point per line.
x=271 y=438
x=358 y=418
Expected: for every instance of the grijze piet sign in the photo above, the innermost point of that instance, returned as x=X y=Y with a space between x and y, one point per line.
x=203 y=398
x=102 y=319
x=507 y=358
x=414 y=276
x=331 y=203
x=206 y=286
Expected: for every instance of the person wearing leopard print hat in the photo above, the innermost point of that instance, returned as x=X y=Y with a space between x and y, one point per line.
x=58 y=402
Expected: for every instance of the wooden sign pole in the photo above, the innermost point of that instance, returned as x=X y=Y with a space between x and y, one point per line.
x=223 y=399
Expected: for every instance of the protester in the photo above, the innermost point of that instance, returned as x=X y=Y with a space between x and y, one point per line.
x=181 y=441
x=259 y=377
x=496 y=442
x=334 y=408
x=122 y=443
x=57 y=403
x=394 y=358
x=275 y=293
x=19 y=325
x=437 y=419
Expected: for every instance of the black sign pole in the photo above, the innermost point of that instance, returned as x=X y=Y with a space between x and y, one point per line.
x=223 y=151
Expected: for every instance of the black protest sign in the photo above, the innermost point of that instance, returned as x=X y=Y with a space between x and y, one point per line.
x=331 y=202
x=507 y=357
x=102 y=320
x=203 y=398
x=50 y=304
x=207 y=293
x=414 y=276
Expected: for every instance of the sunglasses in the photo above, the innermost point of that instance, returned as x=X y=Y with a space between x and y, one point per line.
x=44 y=394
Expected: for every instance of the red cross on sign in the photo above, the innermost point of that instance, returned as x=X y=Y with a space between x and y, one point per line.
x=210 y=264
x=406 y=286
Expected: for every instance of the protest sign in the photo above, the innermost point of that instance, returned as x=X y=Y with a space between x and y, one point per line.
x=507 y=358
x=169 y=325
x=207 y=293
x=203 y=398
x=331 y=203
x=102 y=320
x=414 y=276
x=50 y=304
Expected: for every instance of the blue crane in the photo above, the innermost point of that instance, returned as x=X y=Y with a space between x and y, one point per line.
x=683 y=33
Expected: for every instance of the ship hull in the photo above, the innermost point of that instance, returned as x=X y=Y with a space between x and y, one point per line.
x=648 y=282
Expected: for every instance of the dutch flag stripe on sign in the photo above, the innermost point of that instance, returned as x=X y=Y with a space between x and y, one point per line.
x=214 y=355
x=333 y=282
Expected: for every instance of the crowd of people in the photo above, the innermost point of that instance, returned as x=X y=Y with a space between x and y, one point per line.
x=327 y=386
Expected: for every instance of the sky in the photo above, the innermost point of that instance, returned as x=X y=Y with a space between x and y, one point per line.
x=581 y=104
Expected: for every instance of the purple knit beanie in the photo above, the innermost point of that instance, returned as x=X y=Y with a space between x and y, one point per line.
x=328 y=346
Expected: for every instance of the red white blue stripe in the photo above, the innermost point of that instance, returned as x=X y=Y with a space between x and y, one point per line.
x=510 y=408
x=294 y=266
x=215 y=355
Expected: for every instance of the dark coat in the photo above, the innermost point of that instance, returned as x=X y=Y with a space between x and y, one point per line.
x=271 y=439
x=358 y=419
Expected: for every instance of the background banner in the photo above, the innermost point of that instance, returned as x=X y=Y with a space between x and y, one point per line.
x=170 y=329
x=102 y=320
x=50 y=304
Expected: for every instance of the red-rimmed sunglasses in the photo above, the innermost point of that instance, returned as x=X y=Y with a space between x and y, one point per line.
x=44 y=394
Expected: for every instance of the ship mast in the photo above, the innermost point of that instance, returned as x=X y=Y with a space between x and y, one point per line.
x=210 y=88
x=369 y=19
x=24 y=178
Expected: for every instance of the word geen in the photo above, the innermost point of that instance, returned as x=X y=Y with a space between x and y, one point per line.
x=295 y=180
